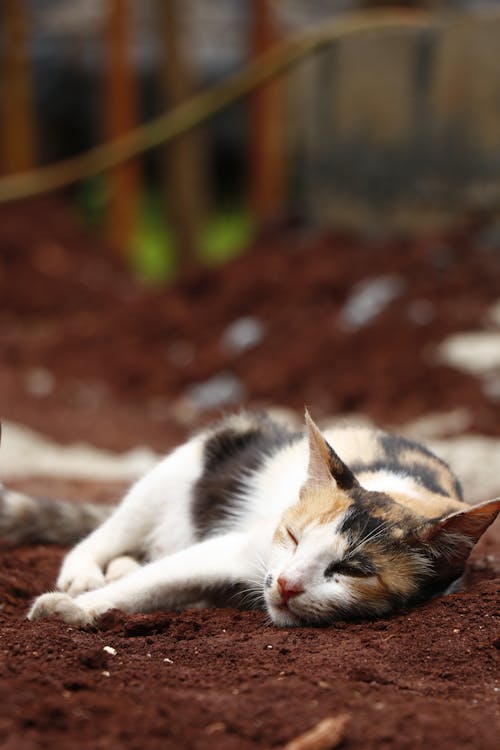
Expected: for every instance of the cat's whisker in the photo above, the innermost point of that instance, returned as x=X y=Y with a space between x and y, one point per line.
x=372 y=537
x=268 y=622
x=262 y=564
x=251 y=590
x=246 y=602
x=250 y=596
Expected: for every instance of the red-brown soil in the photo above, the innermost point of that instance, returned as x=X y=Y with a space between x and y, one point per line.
x=221 y=678
x=121 y=353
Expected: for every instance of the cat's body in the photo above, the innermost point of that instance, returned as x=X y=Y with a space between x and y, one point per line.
x=250 y=512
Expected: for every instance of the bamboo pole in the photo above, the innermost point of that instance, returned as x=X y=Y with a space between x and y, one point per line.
x=184 y=163
x=267 y=140
x=17 y=133
x=120 y=117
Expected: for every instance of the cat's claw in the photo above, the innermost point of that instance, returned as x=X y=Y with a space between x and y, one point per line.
x=62 y=606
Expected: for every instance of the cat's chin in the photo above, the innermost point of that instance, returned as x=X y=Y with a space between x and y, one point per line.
x=282 y=616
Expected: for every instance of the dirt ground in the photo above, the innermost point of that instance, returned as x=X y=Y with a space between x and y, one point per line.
x=88 y=354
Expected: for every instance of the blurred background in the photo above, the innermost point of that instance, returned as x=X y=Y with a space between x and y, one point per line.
x=311 y=214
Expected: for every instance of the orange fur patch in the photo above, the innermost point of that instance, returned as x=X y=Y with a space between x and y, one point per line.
x=428 y=504
x=320 y=505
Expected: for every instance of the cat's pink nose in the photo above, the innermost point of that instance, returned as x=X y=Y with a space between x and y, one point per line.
x=289 y=588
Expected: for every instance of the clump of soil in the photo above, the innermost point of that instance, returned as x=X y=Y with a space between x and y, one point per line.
x=86 y=353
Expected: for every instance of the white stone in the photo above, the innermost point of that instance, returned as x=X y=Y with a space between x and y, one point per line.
x=243 y=334
x=223 y=389
x=368 y=298
x=475 y=352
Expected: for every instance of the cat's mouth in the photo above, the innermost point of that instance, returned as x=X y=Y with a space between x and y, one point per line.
x=278 y=603
x=284 y=612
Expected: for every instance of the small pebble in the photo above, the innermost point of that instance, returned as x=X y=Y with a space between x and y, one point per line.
x=39 y=382
x=222 y=389
x=370 y=297
x=243 y=334
x=110 y=650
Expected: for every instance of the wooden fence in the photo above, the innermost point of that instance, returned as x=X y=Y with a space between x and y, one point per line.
x=378 y=111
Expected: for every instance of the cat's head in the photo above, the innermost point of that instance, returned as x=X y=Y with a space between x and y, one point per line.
x=342 y=551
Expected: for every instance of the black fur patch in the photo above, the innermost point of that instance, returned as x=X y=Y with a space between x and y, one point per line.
x=232 y=454
x=421 y=473
x=435 y=585
x=394 y=447
x=358 y=524
x=342 y=474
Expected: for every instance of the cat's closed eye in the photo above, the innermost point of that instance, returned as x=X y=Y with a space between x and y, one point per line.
x=292 y=536
x=356 y=568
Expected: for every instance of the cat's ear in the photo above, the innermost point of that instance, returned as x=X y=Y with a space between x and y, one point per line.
x=324 y=463
x=453 y=537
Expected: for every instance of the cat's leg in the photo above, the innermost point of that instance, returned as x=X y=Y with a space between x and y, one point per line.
x=165 y=489
x=176 y=580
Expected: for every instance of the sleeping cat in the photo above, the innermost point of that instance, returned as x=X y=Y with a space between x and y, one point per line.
x=252 y=513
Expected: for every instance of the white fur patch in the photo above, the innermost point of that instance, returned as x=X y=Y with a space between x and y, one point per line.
x=388 y=482
x=276 y=486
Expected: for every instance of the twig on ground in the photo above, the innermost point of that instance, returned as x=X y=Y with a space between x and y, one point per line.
x=326 y=735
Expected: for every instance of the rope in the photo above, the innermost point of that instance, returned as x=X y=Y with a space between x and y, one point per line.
x=200 y=107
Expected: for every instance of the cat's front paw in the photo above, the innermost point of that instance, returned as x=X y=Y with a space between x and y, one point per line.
x=77 y=579
x=62 y=606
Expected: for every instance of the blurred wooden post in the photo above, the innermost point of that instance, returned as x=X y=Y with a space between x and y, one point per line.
x=17 y=147
x=184 y=162
x=120 y=116
x=267 y=141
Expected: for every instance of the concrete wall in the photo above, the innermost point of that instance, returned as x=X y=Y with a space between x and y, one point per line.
x=394 y=124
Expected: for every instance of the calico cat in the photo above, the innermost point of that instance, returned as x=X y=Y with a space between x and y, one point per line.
x=250 y=512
